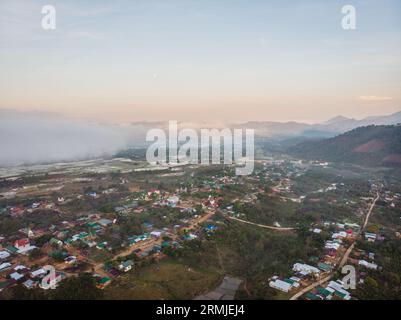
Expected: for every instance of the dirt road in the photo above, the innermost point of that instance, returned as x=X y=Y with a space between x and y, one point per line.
x=262 y=225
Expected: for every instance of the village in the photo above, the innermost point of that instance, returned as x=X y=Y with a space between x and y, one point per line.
x=109 y=223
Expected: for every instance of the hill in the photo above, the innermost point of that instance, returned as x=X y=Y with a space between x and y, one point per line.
x=330 y=128
x=370 y=145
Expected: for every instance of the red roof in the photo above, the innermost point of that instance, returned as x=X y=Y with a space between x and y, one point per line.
x=21 y=243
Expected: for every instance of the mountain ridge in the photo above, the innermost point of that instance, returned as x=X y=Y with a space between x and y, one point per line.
x=370 y=145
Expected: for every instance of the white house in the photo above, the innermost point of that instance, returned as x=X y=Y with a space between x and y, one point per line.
x=371 y=237
x=301 y=267
x=38 y=273
x=16 y=276
x=173 y=201
x=280 y=285
x=156 y=234
x=5 y=266
x=369 y=265
x=4 y=255
x=126 y=265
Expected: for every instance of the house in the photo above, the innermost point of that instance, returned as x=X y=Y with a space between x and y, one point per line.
x=371 y=237
x=153 y=191
x=80 y=236
x=301 y=267
x=293 y=283
x=190 y=236
x=339 y=235
x=56 y=242
x=92 y=194
x=211 y=227
x=312 y=296
x=4 y=255
x=173 y=201
x=70 y=259
x=126 y=265
x=27 y=232
x=23 y=246
x=368 y=265
x=90 y=243
x=353 y=226
x=29 y=284
x=102 y=282
x=102 y=246
x=39 y=273
x=35 y=205
x=5 y=266
x=338 y=290
x=6 y=284
x=156 y=234
x=324 y=266
x=21 y=268
x=326 y=293
x=105 y=222
x=330 y=245
x=16 y=276
x=280 y=285
x=340 y=225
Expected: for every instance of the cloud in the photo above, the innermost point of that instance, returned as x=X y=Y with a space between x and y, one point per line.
x=37 y=137
x=375 y=98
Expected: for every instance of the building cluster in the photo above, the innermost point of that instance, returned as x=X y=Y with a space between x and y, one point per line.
x=70 y=245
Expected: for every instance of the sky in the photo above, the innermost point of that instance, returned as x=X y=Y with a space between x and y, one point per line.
x=201 y=60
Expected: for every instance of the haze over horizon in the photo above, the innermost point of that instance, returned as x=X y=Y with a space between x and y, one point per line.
x=203 y=60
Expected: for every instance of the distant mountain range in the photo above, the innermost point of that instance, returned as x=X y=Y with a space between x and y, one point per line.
x=329 y=128
x=371 y=145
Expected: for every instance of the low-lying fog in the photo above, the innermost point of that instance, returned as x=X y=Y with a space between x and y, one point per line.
x=35 y=137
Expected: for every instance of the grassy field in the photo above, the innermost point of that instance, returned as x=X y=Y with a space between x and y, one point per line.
x=167 y=280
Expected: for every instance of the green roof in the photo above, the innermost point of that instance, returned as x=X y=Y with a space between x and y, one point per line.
x=324 y=266
x=289 y=281
x=102 y=245
x=91 y=224
x=104 y=280
x=323 y=291
x=12 y=249
x=4 y=284
x=312 y=296
x=55 y=241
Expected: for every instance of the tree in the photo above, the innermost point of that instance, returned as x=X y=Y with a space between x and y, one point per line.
x=370 y=282
x=35 y=253
x=21 y=293
x=82 y=287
